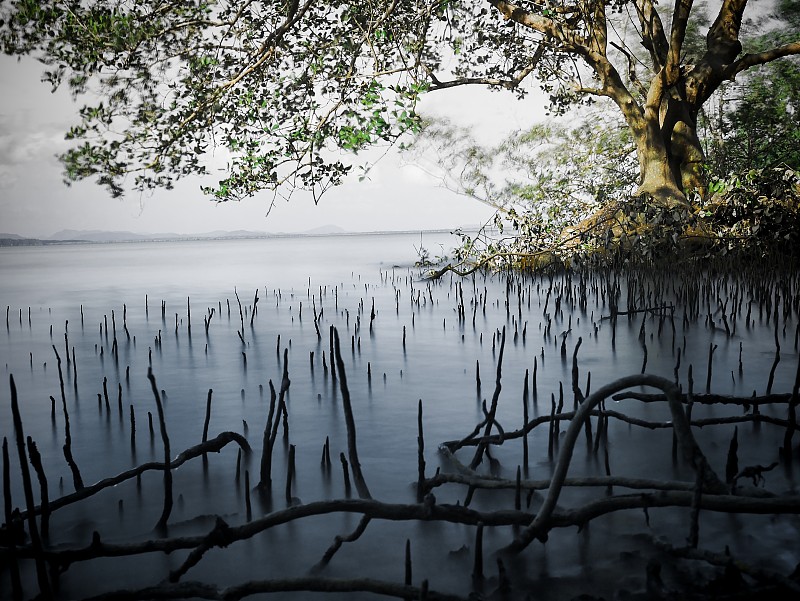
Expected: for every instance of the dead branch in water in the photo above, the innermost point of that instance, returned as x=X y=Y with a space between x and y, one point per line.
x=215 y=445
x=201 y=590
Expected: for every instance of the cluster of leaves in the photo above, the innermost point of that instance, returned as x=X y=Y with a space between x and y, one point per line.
x=636 y=230
x=288 y=91
x=568 y=189
x=755 y=214
x=752 y=122
x=763 y=130
x=284 y=92
x=475 y=45
x=279 y=90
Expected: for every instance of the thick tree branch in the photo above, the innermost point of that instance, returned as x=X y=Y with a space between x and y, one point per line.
x=598 y=37
x=680 y=20
x=222 y=536
x=724 y=32
x=259 y=587
x=543 y=25
x=652 y=31
x=691 y=451
x=761 y=58
x=723 y=46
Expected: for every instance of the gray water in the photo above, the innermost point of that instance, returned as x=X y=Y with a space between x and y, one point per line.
x=75 y=289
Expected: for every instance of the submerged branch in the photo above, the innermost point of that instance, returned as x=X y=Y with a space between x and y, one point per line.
x=215 y=445
x=201 y=590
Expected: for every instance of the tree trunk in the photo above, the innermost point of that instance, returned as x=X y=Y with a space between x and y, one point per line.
x=656 y=176
x=670 y=154
x=688 y=157
x=658 y=180
x=679 y=126
x=651 y=128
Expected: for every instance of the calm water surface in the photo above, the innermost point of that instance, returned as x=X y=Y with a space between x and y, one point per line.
x=415 y=348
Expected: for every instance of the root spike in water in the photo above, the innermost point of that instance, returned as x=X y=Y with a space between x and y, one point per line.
x=161 y=525
x=33 y=529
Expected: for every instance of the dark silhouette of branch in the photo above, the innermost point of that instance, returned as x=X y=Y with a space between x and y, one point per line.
x=162 y=521
x=215 y=445
x=691 y=451
x=352 y=448
x=223 y=535
x=490 y=417
x=200 y=590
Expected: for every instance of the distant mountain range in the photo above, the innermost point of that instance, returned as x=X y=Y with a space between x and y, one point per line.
x=106 y=236
x=100 y=236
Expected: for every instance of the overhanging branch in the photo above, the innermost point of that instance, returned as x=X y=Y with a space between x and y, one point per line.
x=508 y=84
x=549 y=27
x=761 y=58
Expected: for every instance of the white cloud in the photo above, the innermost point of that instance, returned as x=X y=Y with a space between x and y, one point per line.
x=22 y=148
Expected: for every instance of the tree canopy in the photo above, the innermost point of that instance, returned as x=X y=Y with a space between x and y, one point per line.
x=288 y=91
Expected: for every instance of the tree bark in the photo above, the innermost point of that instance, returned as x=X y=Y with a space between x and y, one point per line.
x=688 y=157
x=656 y=176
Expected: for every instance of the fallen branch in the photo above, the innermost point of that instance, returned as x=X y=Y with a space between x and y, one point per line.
x=326 y=585
x=708 y=399
x=223 y=535
x=454 y=445
x=215 y=445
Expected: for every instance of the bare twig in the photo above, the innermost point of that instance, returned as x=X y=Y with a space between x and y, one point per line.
x=490 y=418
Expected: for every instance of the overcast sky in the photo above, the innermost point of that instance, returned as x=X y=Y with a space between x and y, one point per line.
x=35 y=202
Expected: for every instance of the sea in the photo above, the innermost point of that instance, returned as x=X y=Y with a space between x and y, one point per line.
x=423 y=361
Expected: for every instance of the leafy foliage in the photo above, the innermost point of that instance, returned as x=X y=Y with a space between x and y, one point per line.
x=541 y=180
x=288 y=91
x=750 y=219
x=564 y=193
x=279 y=89
x=762 y=129
x=756 y=214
